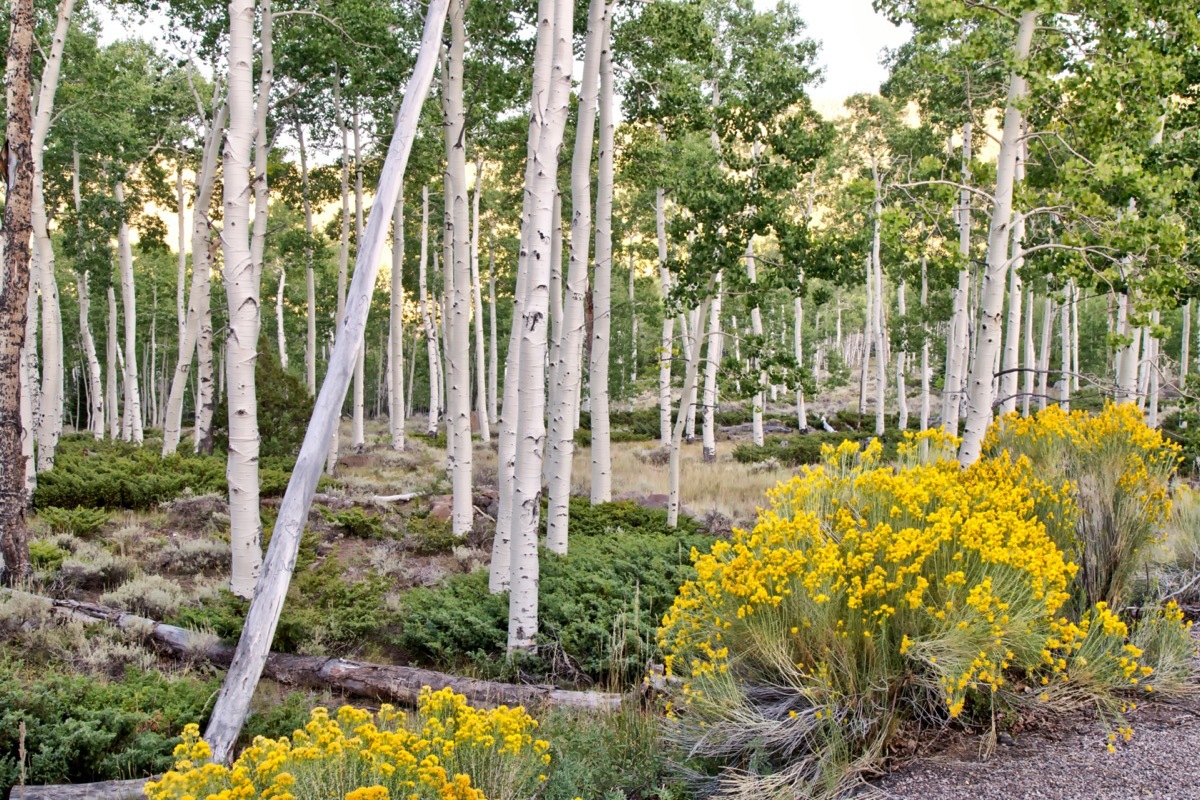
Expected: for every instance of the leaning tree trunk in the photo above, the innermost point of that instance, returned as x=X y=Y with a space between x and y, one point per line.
x=396 y=328
x=540 y=175
x=667 y=342
x=233 y=703
x=14 y=291
x=712 y=363
x=198 y=304
x=481 y=394
x=566 y=379
x=458 y=343
x=343 y=246
x=242 y=291
x=991 y=304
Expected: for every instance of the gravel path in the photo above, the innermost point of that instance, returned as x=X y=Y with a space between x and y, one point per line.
x=1069 y=763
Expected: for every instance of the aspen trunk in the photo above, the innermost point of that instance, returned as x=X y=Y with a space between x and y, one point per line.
x=540 y=174
x=1152 y=366
x=343 y=247
x=396 y=328
x=956 y=345
x=756 y=327
x=310 y=281
x=688 y=397
x=1031 y=365
x=979 y=390
x=14 y=292
x=901 y=363
x=1044 y=353
x=880 y=330
x=205 y=375
x=1064 y=333
x=427 y=318
x=598 y=391
x=1185 y=348
x=481 y=394
x=30 y=391
x=133 y=403
x=554 y=351
x=566 y=378
x=668 y=325
x=458 y=270
x=868 y=338
x=633 y=333
x=1010 y=368
x=1075 y=371
x=1128 y=355
x=242 y=292
x=233 y=703
x=110 y=360
x=924 y=346
x=493 y=354
x=94 y=381
x=499 y=576
x=181 y=258
x=357 y=431
x=280 y=335
x=711 y=365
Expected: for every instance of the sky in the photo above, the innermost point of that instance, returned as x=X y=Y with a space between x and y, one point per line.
x=852 y=38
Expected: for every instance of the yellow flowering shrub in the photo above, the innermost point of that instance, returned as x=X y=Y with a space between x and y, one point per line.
x=450 y=751
x=1117 y=471
x=867 y=594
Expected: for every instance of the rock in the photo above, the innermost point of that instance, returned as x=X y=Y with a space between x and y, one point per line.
x=441 y=506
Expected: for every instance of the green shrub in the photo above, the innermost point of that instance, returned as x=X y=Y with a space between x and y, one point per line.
x=794 y=451
x=149 y=595
x=605 y=756
x=598 y=607
x=355 y=522
x=284 y=409
x=79 y=728
x=428 y=536
x=46 y=555
x=82 y=522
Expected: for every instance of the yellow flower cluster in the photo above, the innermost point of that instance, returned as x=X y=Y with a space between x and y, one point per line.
x=451 y=751
x=863 y=572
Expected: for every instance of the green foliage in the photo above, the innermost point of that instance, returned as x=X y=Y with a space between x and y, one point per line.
x=428 y=535
x=605 y=756
x=82 y=521
x=599 y=604
x=325 y=613
x=794 y=451
x=284 y=408
x=355 y=522
x=81 y=728
x=116 y=474
x=45 y=555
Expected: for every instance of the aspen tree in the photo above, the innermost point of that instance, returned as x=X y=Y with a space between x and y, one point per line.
x=481 y=394
x=602 y=285
x=396 y=414
x=357 y=431
x=133 y=403
x=427 y=318
x=711 y=366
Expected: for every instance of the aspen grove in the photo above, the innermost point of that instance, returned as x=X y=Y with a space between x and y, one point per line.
x=604 y=339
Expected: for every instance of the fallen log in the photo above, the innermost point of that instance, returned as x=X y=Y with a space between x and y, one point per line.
x=105 y=790
x=382 y=682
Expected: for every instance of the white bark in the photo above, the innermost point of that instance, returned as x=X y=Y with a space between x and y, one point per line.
x=901 y=363
x=205 y=377
x=712 y=364
x=1044 y=353
x=555 y=333
x=133 y=401
x=1064 y=334
x=979 y=389
x=1185 y=349
x=50 y=407
x=544 y=55
x=481 y=394
x=458 y=339
x=667 y=341
x=924 y=347
x=1153 y=366
x=110 y=363
x=343 y=246
x=95 y=386
x=868 y=336
x=633 y=333
x=357 y=431
x=688 y=397
x=602 y=290
x=1031 y=365
x=566 y=379
x=1127 y=356
x=280 y=335
x=233 y=703
x=181 y=258
x=427 y=319
x=756 y=327
x=29 y=383
x=1010 y=375
x=541 y=169
x=880 y=329
x=242 y=292
x=396 y=328
x=1075 y=371
x=493 y=354
x=310 y=281
x=956 y=344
